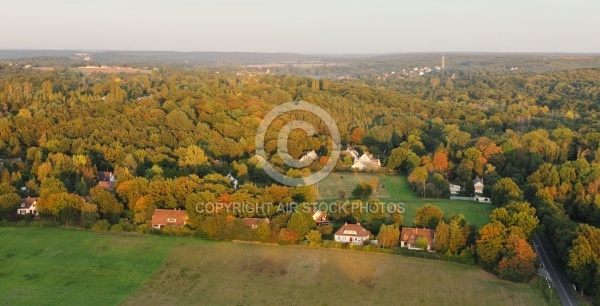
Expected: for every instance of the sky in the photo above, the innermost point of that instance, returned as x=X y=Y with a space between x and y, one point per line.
x=308 y=26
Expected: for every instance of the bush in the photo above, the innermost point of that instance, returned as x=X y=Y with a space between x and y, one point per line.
x=287 y=236
x=331 y=244
x=117 y=228
x=177 y=231
x=314 y=237
x=144 y=228
x=101 y=225
x=325 y=229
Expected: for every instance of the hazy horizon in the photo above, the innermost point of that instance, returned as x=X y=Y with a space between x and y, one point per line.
x=311 y=27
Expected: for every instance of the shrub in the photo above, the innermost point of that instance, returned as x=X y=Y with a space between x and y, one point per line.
x=325 y=229
x=101 y=225
x=117 y=228
x=177 y=231
x=314 y=237
x=144 y=228
x=287 y=236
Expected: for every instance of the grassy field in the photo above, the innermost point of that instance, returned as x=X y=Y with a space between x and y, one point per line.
x=72 y=267
x=334 y=183
x=75 y=267
x=396 y=189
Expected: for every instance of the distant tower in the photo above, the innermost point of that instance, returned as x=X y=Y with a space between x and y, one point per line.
x=443 y=61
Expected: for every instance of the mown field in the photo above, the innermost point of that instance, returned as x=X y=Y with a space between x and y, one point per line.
x=72 y=267
x=396 y=189
x=41 y=266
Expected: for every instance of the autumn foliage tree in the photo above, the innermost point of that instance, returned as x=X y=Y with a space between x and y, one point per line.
x=389 y=235
x=518 y=261
x=428 y=216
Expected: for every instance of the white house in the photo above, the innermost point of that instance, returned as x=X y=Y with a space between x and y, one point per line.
x=320 y=217
x=358 y=166
x=353 y=153
x=352 y=233
x=478 y=184
x=28 y=206
x=365 y=161
x=369 y=161
x=233 y=180
x=454 y=189
x=309 y=157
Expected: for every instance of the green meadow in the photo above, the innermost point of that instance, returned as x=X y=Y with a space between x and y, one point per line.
x=396 y=189
x=42 y=266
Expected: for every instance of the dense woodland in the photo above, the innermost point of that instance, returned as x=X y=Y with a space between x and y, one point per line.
x=172 y=136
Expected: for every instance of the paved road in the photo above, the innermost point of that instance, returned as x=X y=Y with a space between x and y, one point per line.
x=557 y=275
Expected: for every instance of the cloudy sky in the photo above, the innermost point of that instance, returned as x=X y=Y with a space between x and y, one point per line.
x=308 y=26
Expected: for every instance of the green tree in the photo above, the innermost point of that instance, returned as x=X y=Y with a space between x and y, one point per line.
x=389 y=235
x=192 y=156
x=442 y=237
x=9 y=203
x=421 y=243
x=584 y=259
x=301 y=222
x=263 y=231
x=428 y=216
x=314 y=238
x=397 y=158
x=505 y=191
x=362 y=190
x=108 y=206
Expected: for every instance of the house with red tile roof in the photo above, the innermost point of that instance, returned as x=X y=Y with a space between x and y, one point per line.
x=409 y=236
x=352 y=233
x=107 y=180
x=253 y=222
x=168 y=217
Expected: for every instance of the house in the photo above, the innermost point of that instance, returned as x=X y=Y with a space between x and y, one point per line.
x=233 y=180
x=366 y=161
x=107 y=185
x=353 y=153
x=358 y=166
x=253 y=222
x=478 y=184
x=409 y=236
x=107 y=180
x=309 y=157
x=352 y=233
x=369 y=161
x=28 y=206
x=168 y=217
x=454 y=189
x=106 y=176
x=320 y=217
